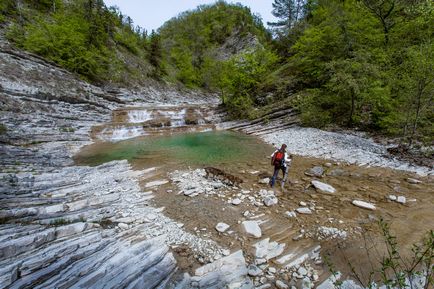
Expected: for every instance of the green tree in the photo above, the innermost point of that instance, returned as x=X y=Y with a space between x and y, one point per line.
x=289 y=12
x=155 y=55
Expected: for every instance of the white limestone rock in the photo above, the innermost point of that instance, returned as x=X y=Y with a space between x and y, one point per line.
x=413 y=181
x=222 y=227
x=364 y=205
x=254 y=271
x=270 y=201
x=302 y=271
x=252 y=229
x=236 y=202
x=304 y=210
x=316 y=171
x=290 y=214
x=392 y=197
x=323 y=187
x=401 y=200
x=281 y=285
x=264 y=181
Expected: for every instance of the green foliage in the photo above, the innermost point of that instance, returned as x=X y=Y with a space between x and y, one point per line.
x=361 y=67
x=3 y=129
x=389 y=267
x=82 y=36
x=192 y=40
x=155 y=55
x=244 y=73
x=59 y=222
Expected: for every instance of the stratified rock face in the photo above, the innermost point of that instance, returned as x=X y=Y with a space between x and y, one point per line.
x=66 y=226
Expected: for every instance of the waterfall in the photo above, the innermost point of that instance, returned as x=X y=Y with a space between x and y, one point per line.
x=122 y=133
x=177 y=118
x=137 y=116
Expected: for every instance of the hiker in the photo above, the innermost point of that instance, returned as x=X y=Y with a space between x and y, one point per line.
x=280 y=160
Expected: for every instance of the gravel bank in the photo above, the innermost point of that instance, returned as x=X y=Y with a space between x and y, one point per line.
x=353 y=149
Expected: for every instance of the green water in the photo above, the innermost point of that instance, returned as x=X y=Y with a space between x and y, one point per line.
x=188 y=149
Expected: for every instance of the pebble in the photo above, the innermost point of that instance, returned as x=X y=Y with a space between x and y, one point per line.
x=281 y=285
x=413 y=181
x=364 y=205
x=254 y=271
x=291 y=214
x=401 y=200
x=123 y=226
x=264 y=181
x=302 y=271
x=304 y=210
x=270 y=201
x=236 y=202
x=222 y=227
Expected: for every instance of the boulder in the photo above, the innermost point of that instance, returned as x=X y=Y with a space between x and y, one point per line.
x=323 y=187
x=316 y=171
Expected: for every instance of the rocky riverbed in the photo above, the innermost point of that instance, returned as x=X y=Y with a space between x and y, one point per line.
x=121 y=224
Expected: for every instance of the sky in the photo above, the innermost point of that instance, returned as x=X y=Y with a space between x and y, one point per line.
x=151 y=14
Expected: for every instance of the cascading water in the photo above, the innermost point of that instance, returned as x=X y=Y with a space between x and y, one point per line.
x=121 y=133
x=138 y=116
x=130 y=123
x=177 y=118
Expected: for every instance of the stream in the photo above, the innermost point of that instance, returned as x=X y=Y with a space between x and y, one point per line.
x=179 y=142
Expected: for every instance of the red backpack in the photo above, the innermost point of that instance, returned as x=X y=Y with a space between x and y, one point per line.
x=278 y=158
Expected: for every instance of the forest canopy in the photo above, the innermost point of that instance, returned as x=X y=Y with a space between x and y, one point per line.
x=366 y=64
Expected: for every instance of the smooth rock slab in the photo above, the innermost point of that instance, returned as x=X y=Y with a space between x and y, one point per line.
x=323 y=187
x=364 y=205
x=252 y=229
x=222 y=227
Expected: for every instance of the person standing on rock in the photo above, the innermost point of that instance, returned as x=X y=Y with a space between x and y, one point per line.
x=280 y=161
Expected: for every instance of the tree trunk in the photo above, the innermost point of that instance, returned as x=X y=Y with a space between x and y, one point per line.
x=421 y=87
